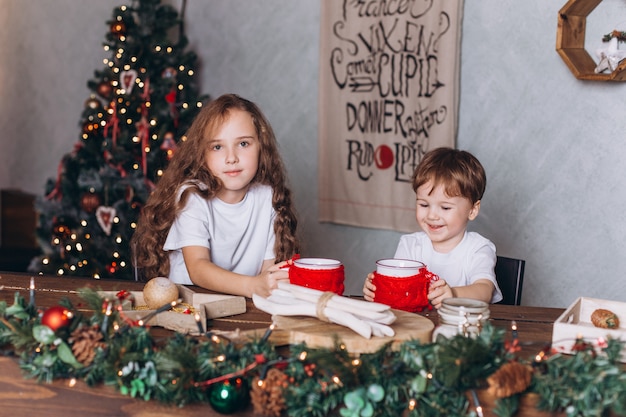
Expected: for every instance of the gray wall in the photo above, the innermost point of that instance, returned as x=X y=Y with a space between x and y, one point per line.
x=553 y=146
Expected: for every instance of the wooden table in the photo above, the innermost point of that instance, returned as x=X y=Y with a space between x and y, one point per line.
x=27 y=397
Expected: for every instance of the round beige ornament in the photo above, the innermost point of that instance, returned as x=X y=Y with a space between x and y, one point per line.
x=159 y=291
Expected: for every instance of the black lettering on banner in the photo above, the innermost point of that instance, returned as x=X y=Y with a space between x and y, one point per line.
x=406 y=161
x=362 y=156
x=390 y=67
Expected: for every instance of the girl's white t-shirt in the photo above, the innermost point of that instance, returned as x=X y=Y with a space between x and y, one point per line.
x=473 y=258
x=239 y=236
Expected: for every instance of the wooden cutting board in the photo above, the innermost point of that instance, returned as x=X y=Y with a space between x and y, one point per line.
x=318 y=334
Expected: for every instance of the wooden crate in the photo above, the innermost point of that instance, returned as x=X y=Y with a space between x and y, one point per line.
x=208 y=306
x=575 y=322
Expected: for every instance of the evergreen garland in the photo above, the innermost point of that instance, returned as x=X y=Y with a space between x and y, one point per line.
x=416 y=380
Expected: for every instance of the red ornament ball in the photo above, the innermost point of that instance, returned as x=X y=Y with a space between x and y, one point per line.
x=56 y=317
x=105 y=89
x=89 y=202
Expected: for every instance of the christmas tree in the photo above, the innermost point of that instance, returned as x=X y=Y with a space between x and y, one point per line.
x=141 y=105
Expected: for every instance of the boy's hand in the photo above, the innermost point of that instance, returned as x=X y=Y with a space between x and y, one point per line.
x=438 y=291
x=369 y=288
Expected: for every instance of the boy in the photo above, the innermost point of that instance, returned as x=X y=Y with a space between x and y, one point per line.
x=449 y=185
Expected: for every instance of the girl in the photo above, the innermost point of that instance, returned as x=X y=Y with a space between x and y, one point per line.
x=221 y=217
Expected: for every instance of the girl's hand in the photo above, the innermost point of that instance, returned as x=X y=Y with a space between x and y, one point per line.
x=369 y=288
x=272 y=276
x=438 y=291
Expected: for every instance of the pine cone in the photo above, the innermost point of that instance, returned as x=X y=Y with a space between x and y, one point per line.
x=84 y=341
x=511 y=378
x=267 y=398
x=605 y=319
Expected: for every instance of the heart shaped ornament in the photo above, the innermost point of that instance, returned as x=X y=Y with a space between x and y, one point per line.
x=105 y=216
x=127 y=80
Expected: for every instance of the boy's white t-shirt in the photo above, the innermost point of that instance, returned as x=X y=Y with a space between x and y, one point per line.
x=239 y=236
x=473 y=258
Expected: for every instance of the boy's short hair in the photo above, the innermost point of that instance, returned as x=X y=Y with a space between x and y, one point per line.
x=460 y=173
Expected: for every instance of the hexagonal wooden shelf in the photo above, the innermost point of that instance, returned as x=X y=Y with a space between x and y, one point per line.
x=570 y=42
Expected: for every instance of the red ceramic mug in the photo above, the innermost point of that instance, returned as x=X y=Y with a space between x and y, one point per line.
x=319 y=274
x=402 y=284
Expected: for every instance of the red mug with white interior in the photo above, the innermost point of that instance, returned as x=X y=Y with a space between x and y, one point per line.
x=402 y=284
x=318 y=273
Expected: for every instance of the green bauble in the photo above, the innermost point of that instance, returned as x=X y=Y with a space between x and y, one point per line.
x=229 y=396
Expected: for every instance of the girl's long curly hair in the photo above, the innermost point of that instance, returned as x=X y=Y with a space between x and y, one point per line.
x=188 y=165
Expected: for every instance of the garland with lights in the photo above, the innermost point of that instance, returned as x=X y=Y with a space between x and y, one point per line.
x=447 y=377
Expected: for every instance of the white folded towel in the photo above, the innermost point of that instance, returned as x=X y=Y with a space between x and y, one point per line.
x=365 y=318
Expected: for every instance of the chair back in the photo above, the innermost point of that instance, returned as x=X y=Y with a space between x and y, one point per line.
x=510 y=278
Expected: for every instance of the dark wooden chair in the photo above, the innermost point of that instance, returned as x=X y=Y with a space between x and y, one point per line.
x=18 y=223
x=510 y=278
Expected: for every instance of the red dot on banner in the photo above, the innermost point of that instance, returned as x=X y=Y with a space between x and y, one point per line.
x=383 y=157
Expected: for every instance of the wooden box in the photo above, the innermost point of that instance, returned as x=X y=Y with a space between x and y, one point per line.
x=208 y=306
x=575 y=322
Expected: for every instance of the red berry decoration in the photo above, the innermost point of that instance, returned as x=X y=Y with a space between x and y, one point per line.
x=56 y=317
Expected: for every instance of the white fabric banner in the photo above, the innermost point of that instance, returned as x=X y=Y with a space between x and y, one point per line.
x=389 y=78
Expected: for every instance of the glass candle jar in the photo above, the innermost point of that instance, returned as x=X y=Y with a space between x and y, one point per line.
x=464 y=316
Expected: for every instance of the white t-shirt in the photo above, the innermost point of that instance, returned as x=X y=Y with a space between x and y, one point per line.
x=239 y=236
x=473 y=258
